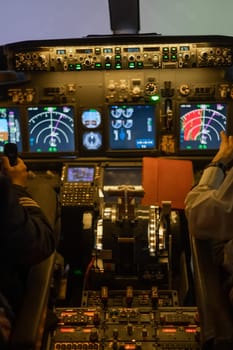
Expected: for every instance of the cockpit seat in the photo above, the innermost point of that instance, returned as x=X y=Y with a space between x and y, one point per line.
x=29 y=326
x=215 y=310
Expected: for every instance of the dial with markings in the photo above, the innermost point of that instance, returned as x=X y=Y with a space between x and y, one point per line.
x=200 y=125
x=51 y=129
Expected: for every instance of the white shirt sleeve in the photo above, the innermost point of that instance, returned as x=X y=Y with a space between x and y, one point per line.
x=209 y=206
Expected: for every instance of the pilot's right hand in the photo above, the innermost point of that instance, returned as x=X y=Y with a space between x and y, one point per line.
x=17 y=173
x=225 y=152
x=5 y=326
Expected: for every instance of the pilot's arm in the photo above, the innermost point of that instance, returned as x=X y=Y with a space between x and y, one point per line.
x=209 y=205
x=27 y=235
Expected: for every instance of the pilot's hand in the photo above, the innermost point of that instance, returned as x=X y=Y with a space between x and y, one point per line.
x=225 y=152
x=5 y=326
x=17 y=173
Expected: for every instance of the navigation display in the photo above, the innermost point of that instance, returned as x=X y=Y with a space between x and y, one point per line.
x=132 y=127
x=10 y=127
x=200 y=126
x=51 y=129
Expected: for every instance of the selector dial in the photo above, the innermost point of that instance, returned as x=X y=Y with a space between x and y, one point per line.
x=151 y=88
x=184 y=90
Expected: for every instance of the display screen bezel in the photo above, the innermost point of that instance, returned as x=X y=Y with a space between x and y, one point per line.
x=18 y=112
x=91 y=139
x=61 y=152
x=131 y=150
x=88 y=177
x=194 y=147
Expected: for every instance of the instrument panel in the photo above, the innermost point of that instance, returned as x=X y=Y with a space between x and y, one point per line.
x=117 y=96
x=126 y=129
x=96 y=105
x=116 y=53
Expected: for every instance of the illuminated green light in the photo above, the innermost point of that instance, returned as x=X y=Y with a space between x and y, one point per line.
x=108 y=65
x=78 y=66
x=202 y=147
x=203 y=105
x=155 y=98
x=50 y=108
x=71 y=66
x=131 y=65
x=98 y=65
x=139 y=64
x=118 y=65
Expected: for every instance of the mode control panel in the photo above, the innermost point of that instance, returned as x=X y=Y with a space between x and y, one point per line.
x=117 y=57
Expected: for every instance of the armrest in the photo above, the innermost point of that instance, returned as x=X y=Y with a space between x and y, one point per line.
x=216 y=314
x=29 y=326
